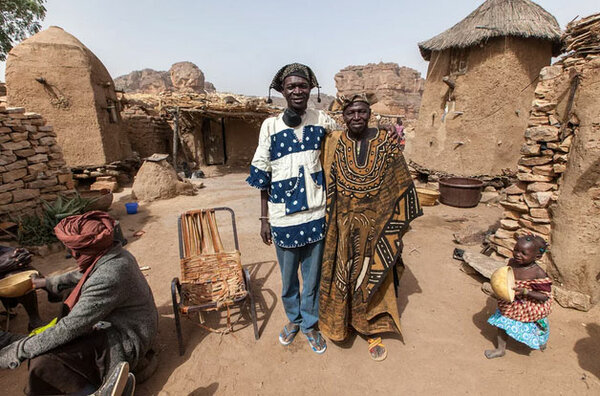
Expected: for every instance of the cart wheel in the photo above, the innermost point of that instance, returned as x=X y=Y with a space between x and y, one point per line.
x=175 y=288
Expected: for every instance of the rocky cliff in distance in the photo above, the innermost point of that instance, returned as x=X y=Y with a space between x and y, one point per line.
x=181 y=77
x=398 y=89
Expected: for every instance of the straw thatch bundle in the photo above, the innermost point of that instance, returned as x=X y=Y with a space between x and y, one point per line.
x=583 y=36
x=497 y=18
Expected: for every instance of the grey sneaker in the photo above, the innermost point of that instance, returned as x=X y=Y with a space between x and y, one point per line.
x=115 y=382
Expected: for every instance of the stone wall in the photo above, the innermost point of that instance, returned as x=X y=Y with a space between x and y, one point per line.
x=558 y=193
x=148 y=133
x=31 y=163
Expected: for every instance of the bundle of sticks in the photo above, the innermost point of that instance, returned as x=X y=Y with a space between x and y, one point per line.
x=583 y=36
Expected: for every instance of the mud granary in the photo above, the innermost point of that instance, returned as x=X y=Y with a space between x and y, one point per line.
x=480 y=83
x=54 y=74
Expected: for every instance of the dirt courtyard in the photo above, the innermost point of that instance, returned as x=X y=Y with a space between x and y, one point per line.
x=443 y=311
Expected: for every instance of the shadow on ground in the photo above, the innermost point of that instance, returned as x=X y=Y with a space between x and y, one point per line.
x=588 y=350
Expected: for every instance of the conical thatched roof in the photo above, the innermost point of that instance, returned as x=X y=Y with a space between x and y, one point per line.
x=497 y=18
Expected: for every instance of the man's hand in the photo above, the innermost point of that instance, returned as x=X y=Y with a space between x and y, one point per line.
x=8 y=356
x=39 y=282
x=395 y=132
x=265 y=232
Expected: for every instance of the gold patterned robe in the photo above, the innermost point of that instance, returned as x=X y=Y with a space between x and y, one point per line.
x=369 y=208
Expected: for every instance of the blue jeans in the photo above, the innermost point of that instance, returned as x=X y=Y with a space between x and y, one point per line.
x=302 y=309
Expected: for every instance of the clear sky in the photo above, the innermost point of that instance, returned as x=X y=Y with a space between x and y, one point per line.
x=239 y=45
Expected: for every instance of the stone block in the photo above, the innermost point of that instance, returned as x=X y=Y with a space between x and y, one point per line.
x=58 y=187
x=508 y=224
x=541 y=186
x=5 y=198
x=55 y=148
x=559 y=168
x=572 y=299
x=517 y=207
x=537 y=227
x=508 y=243
x=11 y=176
x=490 y=197
x=530 y=177
x=16 y=165
x=540 y=213
x=504 y=234
x=4 y=138
x=43 y=183
x=56 y=163
x=7 y=157
x=561 y=158
x=553 y=120
x=501 y=250
x=565 y=145
x=538 y=199
x=11 y=186
x=526 y=231
x=546 y=170
x=41 y=149
x=34 y=159
x=514 y=198
x=535 y=161
x=516 y=188
x=25 y=194
x=45 y=128
x=18 y=136
x=48 y=141
x=530 y=149
x=544 y=133
x=543 y=105
x=510 y=214
x=25 y=153
x=15 y=145
x=64 y=177
x=523 y=169
x=550 y=72
x=4 y=129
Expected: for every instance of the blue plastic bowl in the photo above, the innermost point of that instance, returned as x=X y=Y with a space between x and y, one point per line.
x=132 y=207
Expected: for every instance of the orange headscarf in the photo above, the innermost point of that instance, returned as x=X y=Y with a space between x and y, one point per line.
x=89 y=236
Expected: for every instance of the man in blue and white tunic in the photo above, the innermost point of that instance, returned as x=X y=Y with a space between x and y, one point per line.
x=287 y=169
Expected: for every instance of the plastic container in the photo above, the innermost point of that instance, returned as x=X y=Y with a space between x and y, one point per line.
x=461 y=192
x=132 y=207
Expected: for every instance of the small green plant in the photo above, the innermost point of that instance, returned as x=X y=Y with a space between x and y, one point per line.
x=39 y=230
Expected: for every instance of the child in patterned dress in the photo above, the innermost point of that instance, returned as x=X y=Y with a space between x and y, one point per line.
x=525 y=319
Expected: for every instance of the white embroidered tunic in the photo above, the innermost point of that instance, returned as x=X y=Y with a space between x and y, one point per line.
x=287 y=164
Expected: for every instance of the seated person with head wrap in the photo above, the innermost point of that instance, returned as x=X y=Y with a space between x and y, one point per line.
x=109 y=319
x=13 y=261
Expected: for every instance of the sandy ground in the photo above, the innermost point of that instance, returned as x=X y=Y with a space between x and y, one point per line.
x=443 y=318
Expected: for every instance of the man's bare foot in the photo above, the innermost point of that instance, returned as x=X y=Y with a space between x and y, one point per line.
x=494 y=353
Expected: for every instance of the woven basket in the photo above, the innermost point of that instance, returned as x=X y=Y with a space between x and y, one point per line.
x=427 y=197
x=212 y=279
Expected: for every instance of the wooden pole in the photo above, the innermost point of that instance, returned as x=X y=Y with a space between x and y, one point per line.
x=175 y=138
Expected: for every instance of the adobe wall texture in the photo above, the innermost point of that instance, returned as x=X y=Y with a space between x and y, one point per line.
x=481 y=132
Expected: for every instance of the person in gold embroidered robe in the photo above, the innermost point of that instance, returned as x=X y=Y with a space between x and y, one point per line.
x=371 y=200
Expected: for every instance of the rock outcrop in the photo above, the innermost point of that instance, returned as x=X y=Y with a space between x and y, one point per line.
x=144 y=81
x=181 y=77
x=398 y=90
x=186 y=77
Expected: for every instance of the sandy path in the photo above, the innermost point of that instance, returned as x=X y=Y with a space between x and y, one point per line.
x=443 y=319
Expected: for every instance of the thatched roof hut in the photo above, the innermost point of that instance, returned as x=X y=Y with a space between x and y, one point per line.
x=479 y=87
x=497 y=18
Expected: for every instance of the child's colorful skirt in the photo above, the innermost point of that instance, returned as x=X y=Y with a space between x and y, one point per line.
x=533 y=334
